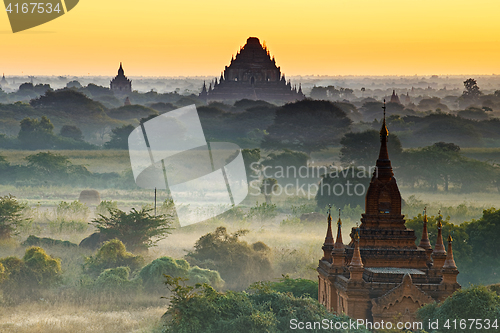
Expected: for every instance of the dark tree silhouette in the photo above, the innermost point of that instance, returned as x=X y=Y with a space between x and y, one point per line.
x=471 y=89
x=307 y=126
x=71 y=132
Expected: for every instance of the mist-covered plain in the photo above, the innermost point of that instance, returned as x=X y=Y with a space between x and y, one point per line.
x=64 y=135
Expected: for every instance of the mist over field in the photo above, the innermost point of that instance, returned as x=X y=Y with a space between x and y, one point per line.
x=93 y=261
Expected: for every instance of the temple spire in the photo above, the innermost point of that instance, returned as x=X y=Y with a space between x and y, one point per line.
x=449 y=262
x=439 y=248
x=120 y=70
x=356 y=256
x=329 y=243
x=384 y=168
x=339 y=246
x=424 y=241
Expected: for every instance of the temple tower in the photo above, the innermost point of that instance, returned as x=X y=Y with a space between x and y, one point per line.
x=120 y=84
x=252 y=74
x=382 y=274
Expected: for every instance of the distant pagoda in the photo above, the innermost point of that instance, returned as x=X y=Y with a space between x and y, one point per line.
x=3 y=82
x=395 y=98
x=253 y=74
x=382 y=274
x=120 y=84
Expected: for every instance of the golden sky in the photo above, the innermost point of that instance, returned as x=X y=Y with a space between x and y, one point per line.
x=320 y=37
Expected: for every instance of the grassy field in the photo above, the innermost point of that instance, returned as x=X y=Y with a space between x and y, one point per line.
x=39 y=317
x=295 y=247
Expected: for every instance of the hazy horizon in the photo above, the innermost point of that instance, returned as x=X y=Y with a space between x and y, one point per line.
x=198 y=38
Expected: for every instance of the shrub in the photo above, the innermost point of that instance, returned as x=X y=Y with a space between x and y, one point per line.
x=203 y=310
x=476 y=302
x=27 y=276
x=11 y=216
x=72 y=210
x=37 y=241
x=116 y=280
x=112 y=254
x=238 y=262
x=152 y=274
x=136 y=229
x=297 y=287
x=42 y=267
x=105 y=207
x=263 y=212
x=3 y=275
x=205 y=276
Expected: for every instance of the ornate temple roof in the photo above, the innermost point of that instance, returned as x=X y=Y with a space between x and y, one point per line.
x=253 y=56
x=252 y=74
x=121 y=83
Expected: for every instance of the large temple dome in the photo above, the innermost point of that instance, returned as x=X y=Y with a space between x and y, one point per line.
x=252 y=74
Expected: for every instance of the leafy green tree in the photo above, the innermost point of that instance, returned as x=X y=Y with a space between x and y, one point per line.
x=49 y=163
x=36 y=134
x=362 y=149
x=119 y=137
x=442 y=164
x=69 y=102
x=474 y=245
x=437 y=127
x=115 y=281
x=105 y=206
x=474 y=303
x=324 y=93
x=342 y=187
x=201 y=309
x=11 y=216
x=484 y=264
x=26 y=277
x=371 y=110
x=72 y=132
x=138 y=229
x=152 y=275
x=471 y=89
x=307 y=126
x=298 y=287
x=473 y=113
x=42 y=88
x=26 y=86
x=112 y=254
x=94 y=90
x=264 y=211
x=74 y=84
x=238 y=262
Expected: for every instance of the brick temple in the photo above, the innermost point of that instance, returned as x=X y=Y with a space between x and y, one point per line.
x=382 y=274
x=253 y=74
x=120 y=83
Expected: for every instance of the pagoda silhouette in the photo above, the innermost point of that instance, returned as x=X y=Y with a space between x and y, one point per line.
x=382 y=274
x=120 y=84
x=253 y=74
